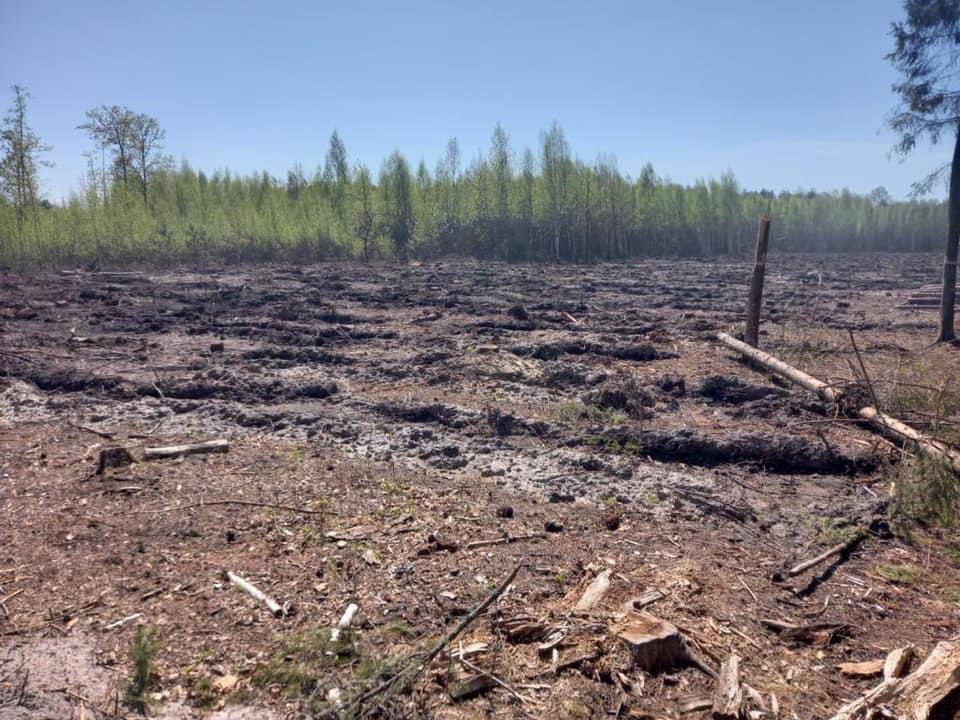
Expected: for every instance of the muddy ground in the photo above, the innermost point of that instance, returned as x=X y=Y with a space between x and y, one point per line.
x=384 y=418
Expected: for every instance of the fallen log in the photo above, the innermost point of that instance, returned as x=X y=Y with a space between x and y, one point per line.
x=867 y=668
x=884 y=423
x=898 y=662
x=816 y=633
x=345 y=621
x=728 y=697
x=172 y=451
x=272 y=605
x=835 y=550
x=808 y=382
x=594 y=592
x=932 y=692
x=891 y=426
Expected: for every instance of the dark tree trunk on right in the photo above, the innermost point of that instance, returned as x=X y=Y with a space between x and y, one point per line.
x=949 y=296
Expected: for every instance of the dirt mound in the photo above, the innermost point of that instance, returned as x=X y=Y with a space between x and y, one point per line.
x=778 y=453
x=552 y=350
x=624 y=394
x=638 y=353
x=674 y=385
x=504 y=423
x=565 y=374
x=246 y=390
x=70 y=380
x=733 y=390
x=292 y=355
x=447 y=415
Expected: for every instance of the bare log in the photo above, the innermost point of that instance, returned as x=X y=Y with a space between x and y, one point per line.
x=594 y=592
x=898 y=662
x=835 y=550
x=272 y=605
x=930 y=692
x=172 y=451
x=884 y=423
x=752 y=332
x=891 y=426
x=799 y=377
x=728 y=697
x=867 y=668
x=345 y=621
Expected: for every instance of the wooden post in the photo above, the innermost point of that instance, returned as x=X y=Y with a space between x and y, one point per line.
x=752 y=333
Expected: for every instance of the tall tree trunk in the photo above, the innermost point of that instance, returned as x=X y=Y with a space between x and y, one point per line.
x=949 y=296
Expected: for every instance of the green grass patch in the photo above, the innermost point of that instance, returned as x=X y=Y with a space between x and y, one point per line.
x=899 y=574
x=304 y=660
x=398 y=628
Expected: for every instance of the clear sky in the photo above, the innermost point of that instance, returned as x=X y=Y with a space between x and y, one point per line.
x=786 y=94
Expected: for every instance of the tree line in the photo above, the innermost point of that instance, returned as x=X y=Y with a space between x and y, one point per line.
x=542 y=204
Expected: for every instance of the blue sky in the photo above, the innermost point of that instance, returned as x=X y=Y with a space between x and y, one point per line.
x=786 y=94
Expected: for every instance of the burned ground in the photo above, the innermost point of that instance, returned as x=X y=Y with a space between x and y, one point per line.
x=396 y=404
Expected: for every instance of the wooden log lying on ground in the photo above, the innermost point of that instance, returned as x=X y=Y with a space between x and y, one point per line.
x=835 y=550
x=345 y=621
x=898 y=662
x=884 y=423
x=272 y=605
x=728 y=697
x=799 y=377
x=930 y=693
x=172 y=451
x=594 y=592
x=891 y=426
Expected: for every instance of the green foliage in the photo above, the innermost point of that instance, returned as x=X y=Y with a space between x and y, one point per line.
x=927 y=491
x=399 y=628
x=396 y=185
x=899 y=574
x=925 y=54
x=953 y=554
x=145 y=645
x=298 y=669
x=836 y=530
x=551 y=207
x=203 y=693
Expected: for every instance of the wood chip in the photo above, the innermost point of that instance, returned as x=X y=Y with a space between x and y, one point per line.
x=866 y=669
x=594 y=592
x=471 y=687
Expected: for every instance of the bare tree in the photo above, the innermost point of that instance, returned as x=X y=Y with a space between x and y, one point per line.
x=20 y=149
x=364 y=209
x=927 y=54
x=146 y=141
x=109 y=128
x=135 y=141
